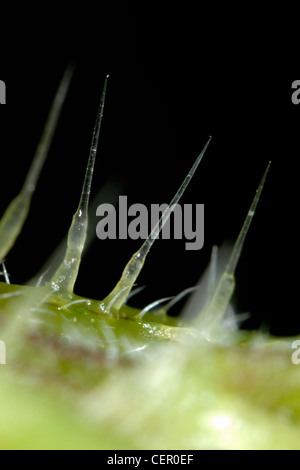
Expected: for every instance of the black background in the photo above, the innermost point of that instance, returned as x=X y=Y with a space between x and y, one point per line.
x=176 y=77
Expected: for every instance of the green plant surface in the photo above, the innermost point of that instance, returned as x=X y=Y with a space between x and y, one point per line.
x=137 y=392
